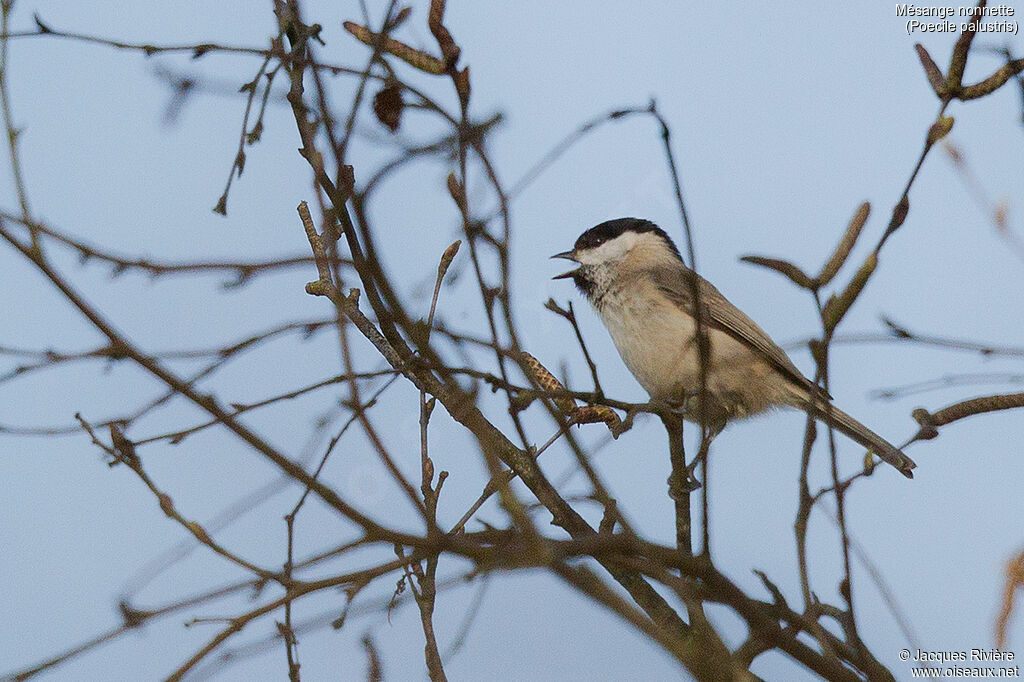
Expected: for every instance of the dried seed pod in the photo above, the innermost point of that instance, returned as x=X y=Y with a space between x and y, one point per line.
x=388 y=105
x=596 y=413
x=940 y=129
x=547 y=381
x=931 y=69
x=993 y=82
x=837 y=306
x=789 y=270
x=447 y=257
x=462 y=86
x=899 y=214
x=968 y=408
x=435 y=18
x=416 y=58
x=846 y=244
x=457 y=192
x=958 y=62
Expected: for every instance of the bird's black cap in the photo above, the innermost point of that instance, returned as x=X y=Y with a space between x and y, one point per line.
x=610 y=229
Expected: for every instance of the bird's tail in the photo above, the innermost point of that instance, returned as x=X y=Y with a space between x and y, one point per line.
x=866 y=437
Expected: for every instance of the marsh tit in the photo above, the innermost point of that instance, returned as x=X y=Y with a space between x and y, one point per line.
x=632 y=273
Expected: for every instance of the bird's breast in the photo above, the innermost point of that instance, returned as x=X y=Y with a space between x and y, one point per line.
x=656 y=340
x=653 y=337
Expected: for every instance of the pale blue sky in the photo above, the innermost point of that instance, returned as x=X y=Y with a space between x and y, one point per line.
x=785 y=117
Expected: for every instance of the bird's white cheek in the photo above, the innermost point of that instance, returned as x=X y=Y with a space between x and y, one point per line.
x=609 y=252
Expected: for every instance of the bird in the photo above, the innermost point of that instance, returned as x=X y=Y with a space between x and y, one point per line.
x=633 y=275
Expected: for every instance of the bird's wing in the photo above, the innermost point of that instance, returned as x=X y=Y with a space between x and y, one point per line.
x=675 y=281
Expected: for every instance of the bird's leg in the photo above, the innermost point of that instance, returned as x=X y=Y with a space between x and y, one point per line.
x=681 y=481
x=713 y=415
x=713 y=430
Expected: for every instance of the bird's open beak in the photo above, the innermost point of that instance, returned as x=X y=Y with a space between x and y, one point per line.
x=567 y=255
